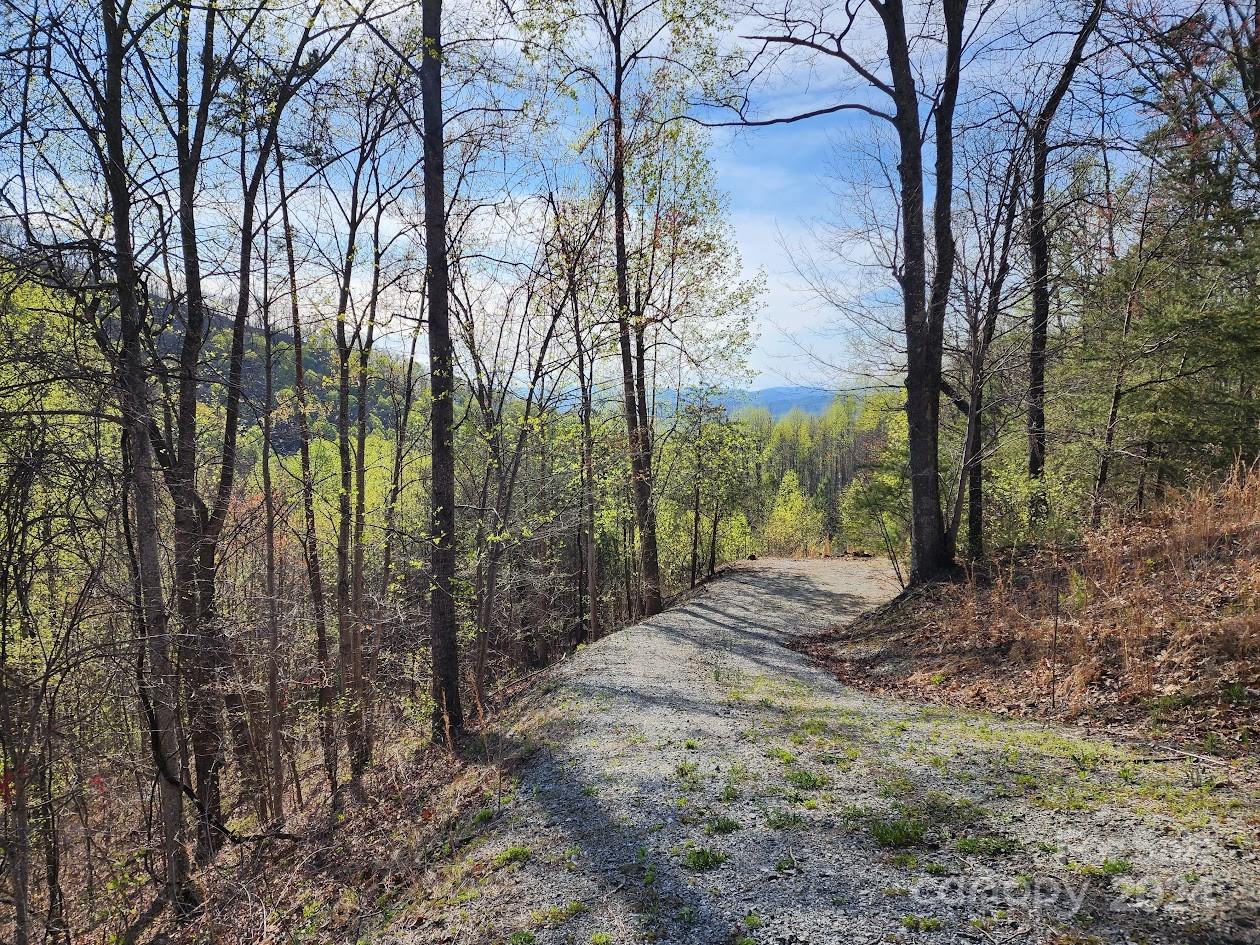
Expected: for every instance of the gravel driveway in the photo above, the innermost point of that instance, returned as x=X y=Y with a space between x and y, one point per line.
x=698 y=782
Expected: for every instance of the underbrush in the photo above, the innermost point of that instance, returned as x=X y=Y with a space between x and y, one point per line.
x=376 y=860
x=337 y=869
x=1151 y=625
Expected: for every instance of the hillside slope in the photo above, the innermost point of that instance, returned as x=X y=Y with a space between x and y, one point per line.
x=1151 y=627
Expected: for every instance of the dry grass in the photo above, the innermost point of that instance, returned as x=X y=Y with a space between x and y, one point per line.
x=1153 y=625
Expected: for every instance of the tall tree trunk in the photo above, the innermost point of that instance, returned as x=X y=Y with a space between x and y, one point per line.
x=695 y=531
x=924 y=316
x=632 y=381
x=969 y=455
x=448 y=715
x=1113 y=415
x=358 y=601
x=18 y=846
x=56 y=928
x=158 y=687
x=1039 y=249
x=310 y=543
x=975 y=477
x=274 y=714
x=713 y=534
x=200 y=651
x=347 y=692
x=588 y=466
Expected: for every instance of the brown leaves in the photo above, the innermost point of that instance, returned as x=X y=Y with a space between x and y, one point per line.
x=1154 y=622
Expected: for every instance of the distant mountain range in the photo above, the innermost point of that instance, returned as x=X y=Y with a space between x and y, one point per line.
x=780 y=400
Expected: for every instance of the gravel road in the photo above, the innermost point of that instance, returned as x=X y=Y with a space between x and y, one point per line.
x=698 y=782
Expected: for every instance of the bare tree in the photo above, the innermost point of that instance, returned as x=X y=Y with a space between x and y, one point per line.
x=924 y=301
x=448 y=712
x=1039 y=244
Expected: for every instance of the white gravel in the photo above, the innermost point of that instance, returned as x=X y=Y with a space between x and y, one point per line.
x=696 y=739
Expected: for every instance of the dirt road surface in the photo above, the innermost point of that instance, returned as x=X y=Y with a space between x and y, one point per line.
x=695 y=781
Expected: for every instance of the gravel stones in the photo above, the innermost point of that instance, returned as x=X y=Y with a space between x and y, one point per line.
x=705 y=784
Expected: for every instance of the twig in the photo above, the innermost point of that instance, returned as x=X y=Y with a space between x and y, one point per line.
x=1206 y=759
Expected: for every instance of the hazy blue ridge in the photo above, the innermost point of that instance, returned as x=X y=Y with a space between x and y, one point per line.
x=780 y=400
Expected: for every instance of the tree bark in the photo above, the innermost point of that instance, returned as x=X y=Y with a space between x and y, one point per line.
x=274 y=715
x=158 y=686
x=310 y=543
x=713 y=534
x=448 y=715
x=924 y=316
x=588 y=465
x=1039 y=248
x=633 y=394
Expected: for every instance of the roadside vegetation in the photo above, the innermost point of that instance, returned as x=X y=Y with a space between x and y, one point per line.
x=361 y=363
x=1149 y=625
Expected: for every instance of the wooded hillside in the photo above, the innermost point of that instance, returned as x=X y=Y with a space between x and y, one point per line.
x=360 y=361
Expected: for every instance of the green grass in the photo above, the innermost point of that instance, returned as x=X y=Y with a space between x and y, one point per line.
x=1235 y=693
x=783 y=819
x=688 y=773
x=805 y=780
x=702 y=859
x=988 y=845
x=554 y=916
x=916 y=923
x=1108 y=867
x=897 y=785
x=899 y=831
x=601 y=938
x=511 y=855
x=521 y=938
x=721 y=825
x=1165 y=707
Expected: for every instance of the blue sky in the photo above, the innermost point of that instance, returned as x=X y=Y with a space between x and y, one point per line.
x=775 y=180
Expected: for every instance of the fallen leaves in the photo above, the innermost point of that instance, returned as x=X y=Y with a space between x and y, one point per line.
x=1154 y=623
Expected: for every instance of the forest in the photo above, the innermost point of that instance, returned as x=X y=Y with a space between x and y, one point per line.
x=362 y=359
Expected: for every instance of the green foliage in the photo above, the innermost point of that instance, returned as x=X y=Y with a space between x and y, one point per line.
x=779 y=819
x=917 y=923
x=805 y=780
x=875 y=507
x=702 y=859
x=988 y=845
x=898 y=831
x=721 y=825
x=554 y=916
x=795 y=524
x=516 y=854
